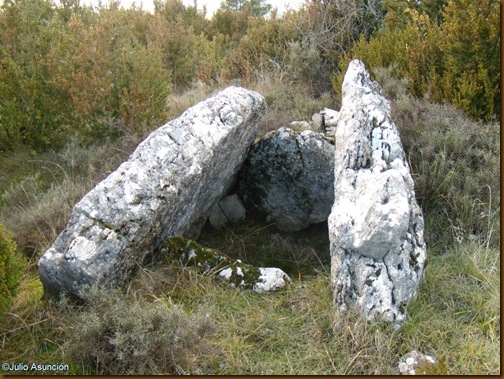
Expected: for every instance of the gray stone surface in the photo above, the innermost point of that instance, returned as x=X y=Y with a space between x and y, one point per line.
x=229 y=209
x=376 y=227
x=331 y=117
x=317 y=122
x=166 y=188
x=300 y=125
x=289 y=178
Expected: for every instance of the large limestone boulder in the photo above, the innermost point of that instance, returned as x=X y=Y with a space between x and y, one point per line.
x=289 y=178
x=376 y=227
x=166 y=188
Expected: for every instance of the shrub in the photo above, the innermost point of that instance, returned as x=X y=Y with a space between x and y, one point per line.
x=73 y=71
x=117 y=334
x=454 y=161
x=261 y=51
x=449 y=61
x=11 y=266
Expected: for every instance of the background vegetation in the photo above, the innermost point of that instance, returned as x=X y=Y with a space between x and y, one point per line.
x=80 y=87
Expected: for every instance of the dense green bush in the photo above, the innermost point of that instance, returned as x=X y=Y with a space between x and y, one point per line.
x=262 y=50
x=11 y=266
x=455 y=164
x=452 y=55
x=117 y=334
x=75 y=71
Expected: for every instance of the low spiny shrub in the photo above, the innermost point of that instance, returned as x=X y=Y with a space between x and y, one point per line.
x=118 y=334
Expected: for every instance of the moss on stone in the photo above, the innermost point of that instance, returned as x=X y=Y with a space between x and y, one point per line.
x=189 y=253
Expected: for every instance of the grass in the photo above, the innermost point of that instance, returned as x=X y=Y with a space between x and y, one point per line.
x=455 y=317
x=37 y=192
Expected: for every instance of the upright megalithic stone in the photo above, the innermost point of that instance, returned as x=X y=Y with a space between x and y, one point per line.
x=166 y=188
x=376 y=227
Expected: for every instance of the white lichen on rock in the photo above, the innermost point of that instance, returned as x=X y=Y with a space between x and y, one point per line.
x=416 y=363
x=270 y=279
x=375 y=226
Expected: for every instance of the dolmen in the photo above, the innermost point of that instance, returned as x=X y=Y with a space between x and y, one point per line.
x=377 y=246
x=167 y=188
x=181 y=175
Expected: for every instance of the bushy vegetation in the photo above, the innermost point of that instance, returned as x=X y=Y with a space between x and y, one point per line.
x=80 y=87
x=117 y=334
x=11 y=269
x=449 y=52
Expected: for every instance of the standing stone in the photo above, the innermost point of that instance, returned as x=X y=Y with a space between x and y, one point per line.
x=375 y=227
x=289 y=178
x=166 y=188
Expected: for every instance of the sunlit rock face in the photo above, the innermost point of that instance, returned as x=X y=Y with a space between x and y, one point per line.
x=167 y=187
x=289 y=178
x=376 y=226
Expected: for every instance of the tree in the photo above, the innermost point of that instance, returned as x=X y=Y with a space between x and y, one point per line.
x=454 y=57
x=255 y=7
x=335 y=25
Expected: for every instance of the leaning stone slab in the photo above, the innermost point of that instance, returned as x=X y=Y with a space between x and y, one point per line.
x=167 y=187
x=185 y=252
x=376 y=227
x=289 y=177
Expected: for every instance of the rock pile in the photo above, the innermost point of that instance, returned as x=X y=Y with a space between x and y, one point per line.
x=178 y=178
x=375 y=227
x=166 y=188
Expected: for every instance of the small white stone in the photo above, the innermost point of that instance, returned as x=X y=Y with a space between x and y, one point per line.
x=226 y=273
x=403 y=367
x=271 y=279
x=410 y=361
x=430 y=359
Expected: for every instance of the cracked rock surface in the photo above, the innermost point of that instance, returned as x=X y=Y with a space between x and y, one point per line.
x=376 y=227
x=167 y=187
x=289 y=177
